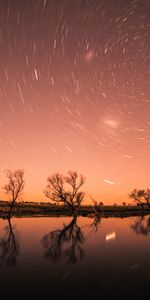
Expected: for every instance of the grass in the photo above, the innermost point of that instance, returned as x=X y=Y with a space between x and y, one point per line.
x=46 y=209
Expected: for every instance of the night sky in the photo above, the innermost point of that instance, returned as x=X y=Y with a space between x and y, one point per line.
x=75 y=93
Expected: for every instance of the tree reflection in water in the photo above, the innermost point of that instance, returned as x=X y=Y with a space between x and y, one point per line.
x=9 y=245
x=66 y=242
x=141 y=225
x=96 y=222
x=97 y=217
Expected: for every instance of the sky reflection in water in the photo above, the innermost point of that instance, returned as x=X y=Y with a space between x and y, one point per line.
x=79 y=256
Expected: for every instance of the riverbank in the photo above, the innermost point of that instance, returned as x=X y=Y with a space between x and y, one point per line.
x=46 y=209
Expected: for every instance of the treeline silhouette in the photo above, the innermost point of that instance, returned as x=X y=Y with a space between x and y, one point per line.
x=66 y=242
x=65 y=190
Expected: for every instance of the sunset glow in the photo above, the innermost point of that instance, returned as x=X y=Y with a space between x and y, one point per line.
x=75 y=95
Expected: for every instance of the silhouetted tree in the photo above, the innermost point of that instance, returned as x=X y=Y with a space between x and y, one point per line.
x=14 y=187
x=9 y=245
x=65 y=242
x=97 y=215
x=141 y=197
x=96 y=222
x=96 y=207
x=124 y=203
x=65 y=189
x=146 y=196
x=141 y=225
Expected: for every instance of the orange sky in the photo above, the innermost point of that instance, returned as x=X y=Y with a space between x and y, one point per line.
x=74 y=95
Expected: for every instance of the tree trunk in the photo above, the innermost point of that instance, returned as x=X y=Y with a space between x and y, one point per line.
x=74 y=211
x=11 y=208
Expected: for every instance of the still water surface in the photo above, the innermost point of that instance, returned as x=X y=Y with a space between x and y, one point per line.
x=84 y=258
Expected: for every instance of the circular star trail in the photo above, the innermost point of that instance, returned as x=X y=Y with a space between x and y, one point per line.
x=75 y=93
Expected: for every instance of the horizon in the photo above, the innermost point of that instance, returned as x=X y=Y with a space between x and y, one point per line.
x=132 y=203
x=75 y=149
x=74 y=95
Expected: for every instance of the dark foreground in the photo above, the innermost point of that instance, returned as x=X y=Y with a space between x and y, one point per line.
x=75 y=258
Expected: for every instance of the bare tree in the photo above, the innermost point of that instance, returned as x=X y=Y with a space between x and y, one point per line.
x=65 y=243
x=97 y=209
x=141 y=197
x=97 y=215
x=14 y=187
x=146 y=196
x=65 y=189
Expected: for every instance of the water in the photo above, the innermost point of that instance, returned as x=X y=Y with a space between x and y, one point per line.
x=84 y=258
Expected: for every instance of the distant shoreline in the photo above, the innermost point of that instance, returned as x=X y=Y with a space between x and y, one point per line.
x=32 y=209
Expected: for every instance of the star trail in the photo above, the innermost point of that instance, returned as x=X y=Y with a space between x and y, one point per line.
x=75 y=93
